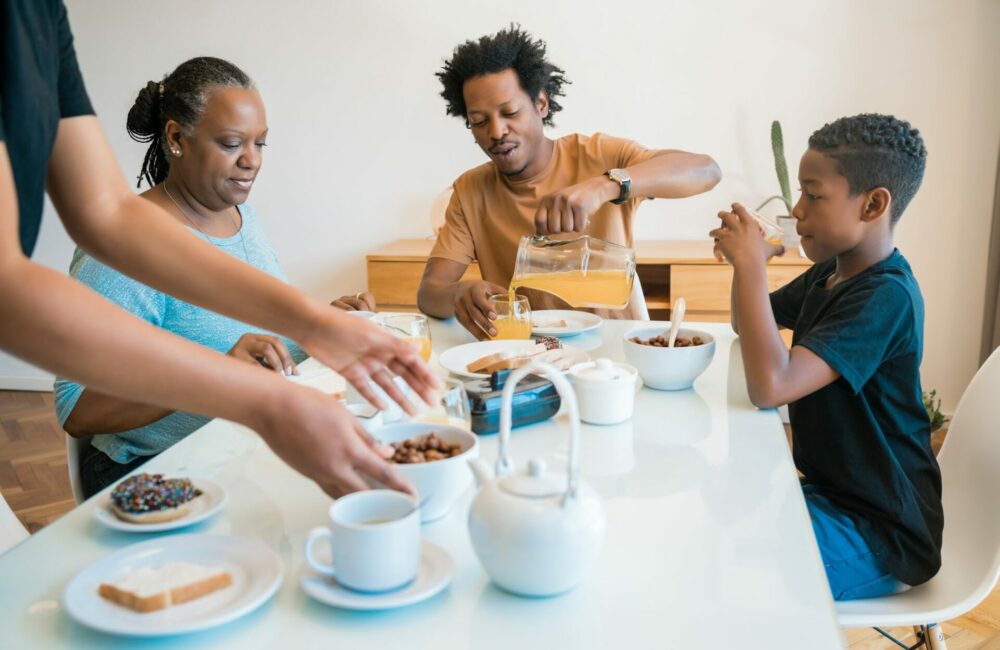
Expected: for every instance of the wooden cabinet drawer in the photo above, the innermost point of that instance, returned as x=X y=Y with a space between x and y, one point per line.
x=395 y=284
x=705 y=288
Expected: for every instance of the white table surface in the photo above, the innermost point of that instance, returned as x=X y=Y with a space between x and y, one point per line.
x=708 y=541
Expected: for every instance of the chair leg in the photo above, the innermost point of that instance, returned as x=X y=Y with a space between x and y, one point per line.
x=934 y=637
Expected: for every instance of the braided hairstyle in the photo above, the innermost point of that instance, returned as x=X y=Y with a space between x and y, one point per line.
x=875 y=150
x=182 y=97
x=511 y=48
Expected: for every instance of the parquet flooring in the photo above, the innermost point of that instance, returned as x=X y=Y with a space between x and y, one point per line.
x=35 y=482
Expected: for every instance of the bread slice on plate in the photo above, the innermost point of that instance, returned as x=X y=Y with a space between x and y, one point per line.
x=483 y=364
x=149 y=589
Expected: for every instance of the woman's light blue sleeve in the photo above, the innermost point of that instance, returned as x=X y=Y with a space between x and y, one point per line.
x=134 y=297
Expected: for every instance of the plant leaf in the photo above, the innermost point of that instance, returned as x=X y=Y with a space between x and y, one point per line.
x=780 y=166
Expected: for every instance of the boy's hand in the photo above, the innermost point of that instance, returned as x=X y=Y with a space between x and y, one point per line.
x=740 y=239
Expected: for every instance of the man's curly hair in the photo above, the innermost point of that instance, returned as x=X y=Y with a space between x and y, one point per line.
x=875 y=150
x=511 y=48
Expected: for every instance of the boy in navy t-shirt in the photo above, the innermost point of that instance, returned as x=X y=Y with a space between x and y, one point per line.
x=861 y=435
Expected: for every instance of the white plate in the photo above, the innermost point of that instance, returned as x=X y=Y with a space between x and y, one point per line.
x=213 y=497
x=577 y=322
x=436 y=568
x=255 y=569
x=457 y=358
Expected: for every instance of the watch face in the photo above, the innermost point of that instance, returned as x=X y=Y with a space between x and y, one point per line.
x=618 y=175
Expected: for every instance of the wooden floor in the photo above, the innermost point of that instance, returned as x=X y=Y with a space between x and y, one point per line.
x=35 y=482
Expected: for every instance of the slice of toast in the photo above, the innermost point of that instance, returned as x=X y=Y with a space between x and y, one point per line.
x=483 y=363
x=149 y=590
x=558 y=358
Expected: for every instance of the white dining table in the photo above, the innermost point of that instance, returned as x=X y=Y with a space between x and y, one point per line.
x=708 y=541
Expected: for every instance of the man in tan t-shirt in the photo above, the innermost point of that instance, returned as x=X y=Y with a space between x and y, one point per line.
x=507 y=91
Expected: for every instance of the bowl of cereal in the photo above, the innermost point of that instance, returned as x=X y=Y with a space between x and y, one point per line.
x=435 y=459
x=666 y=368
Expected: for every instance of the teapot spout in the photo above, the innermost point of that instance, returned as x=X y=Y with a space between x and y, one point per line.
x=481 y=471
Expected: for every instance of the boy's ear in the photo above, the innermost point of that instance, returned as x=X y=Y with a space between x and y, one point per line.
x=877 y=205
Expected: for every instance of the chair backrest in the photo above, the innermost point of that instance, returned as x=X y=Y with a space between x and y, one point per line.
x=12 y=530
x=74 y=447
x=638 y=300
x=970 y=471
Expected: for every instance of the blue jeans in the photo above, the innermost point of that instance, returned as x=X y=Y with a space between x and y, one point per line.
x=98 y=471
x=853 y=568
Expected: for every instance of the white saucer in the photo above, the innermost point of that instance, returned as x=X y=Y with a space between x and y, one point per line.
x=213 y=497
x=563 y=322
x=455 y=359
x=255 y=569
x=436 y=568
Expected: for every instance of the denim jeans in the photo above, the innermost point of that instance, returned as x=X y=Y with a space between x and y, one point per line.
x=853 y=568
x=98 y=471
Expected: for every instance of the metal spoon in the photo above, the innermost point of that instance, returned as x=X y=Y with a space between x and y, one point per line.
x=676 y=317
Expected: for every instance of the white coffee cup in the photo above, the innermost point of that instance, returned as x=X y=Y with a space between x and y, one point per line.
x=375 y=539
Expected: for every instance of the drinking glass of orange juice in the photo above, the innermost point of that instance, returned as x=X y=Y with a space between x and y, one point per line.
x=452 y=409
x=513 y=316
x=410 y=327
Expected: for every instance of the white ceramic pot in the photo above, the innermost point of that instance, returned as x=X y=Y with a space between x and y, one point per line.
x=605 y=390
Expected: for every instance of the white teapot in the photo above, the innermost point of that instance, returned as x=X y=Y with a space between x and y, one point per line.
x=536 y=532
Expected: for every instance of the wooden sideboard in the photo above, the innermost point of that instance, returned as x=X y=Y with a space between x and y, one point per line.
x=667 y=269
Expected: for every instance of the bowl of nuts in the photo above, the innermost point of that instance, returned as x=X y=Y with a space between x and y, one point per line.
x=665 y=368
x=435 y=459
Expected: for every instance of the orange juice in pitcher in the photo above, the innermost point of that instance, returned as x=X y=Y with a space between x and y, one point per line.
x=584 y=272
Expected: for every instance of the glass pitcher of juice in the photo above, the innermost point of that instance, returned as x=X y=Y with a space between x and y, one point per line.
x=584 y=272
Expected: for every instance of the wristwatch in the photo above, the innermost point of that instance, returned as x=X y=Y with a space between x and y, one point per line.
x=624 y=181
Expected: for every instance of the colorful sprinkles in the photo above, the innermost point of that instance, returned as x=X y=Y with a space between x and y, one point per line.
x=152 y=493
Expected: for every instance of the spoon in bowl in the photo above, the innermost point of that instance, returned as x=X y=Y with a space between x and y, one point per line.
x=676 y=317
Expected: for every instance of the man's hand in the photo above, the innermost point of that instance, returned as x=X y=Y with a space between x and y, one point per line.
x=320 y=438
x=472 y=307
x=741 y=238
x=363 y=352
x=569 y=210
x=362 y=301
x=265 y=350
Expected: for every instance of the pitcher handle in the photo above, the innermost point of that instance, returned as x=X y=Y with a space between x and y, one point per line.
x=568 y=396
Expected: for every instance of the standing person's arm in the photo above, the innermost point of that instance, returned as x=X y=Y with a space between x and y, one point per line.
x=52 y=321
x=135 y=236
x=775 y=375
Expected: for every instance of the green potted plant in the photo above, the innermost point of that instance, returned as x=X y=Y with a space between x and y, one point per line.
x=937 y=418
x=789 y=239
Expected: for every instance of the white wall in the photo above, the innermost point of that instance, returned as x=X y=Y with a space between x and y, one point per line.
x=360 y=144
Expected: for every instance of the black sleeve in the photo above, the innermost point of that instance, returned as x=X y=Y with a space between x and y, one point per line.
x=862 y=329
x=73 y=99
x=3 y=136
x=786 y=302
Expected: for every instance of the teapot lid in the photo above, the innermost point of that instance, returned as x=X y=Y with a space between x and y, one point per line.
x=603 y=370
x=535 y=483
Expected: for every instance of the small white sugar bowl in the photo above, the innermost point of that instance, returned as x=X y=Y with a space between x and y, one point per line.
x=605 y=390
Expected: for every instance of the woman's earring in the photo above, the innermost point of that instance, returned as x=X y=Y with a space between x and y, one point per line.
x=176 y=152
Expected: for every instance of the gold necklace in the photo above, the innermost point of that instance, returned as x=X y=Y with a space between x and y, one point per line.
x=239 y=229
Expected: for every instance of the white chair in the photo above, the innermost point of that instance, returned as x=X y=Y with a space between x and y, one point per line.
x=970 y=470
x=75 y=447
x=638 y=300
x=11 y=530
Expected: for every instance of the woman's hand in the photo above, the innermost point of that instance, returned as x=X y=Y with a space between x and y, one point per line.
x=265 y=350
x=361 y=301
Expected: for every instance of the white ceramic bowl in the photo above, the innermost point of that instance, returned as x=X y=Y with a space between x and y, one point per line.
x=439 y=483
x=668 y=368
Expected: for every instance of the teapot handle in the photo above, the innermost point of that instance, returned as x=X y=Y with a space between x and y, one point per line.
x=568 y=396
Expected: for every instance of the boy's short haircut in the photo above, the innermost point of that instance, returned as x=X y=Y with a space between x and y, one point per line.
x=873 y=151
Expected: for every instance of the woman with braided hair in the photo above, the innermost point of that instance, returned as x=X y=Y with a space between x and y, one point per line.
x=206 y=129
